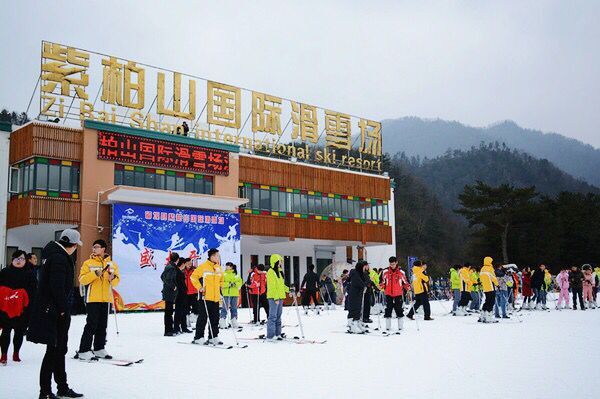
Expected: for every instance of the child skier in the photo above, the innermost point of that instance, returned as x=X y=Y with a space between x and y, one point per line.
x=562 y=281
x=231 y=292
x=394 y=283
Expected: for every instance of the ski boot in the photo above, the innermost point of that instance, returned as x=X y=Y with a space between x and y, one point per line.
x=102 y=354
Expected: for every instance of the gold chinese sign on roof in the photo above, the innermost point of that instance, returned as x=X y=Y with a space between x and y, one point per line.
x=78 y=84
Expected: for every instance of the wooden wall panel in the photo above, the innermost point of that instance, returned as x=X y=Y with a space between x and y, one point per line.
x=273 y=226
x=274 y=173
x=36 y=210
x=53 y=141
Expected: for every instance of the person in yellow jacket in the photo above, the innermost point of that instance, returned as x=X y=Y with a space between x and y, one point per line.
x=466 y=284
x=489 y=282
x=421 y=290
x=208 y=279
x=276 y=293
x=231 y=292
x=98 y=275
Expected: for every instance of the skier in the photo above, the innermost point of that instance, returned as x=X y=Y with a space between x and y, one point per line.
x=526 y=290
x=328 y=290
x=345 y=281
x=562 y=282
x=597 y=281
x=98 y=275
x=489 y=282
x=537 y=282
x=588 y=286
x=181 y=306
x=356 y=295
x=231 y=292
x=257 y=288
x=475 y=290
x=20 y=282
x=276 y=293
x=455 y=286
x=464 y=274
x=192 y=292
x=208 y=279
x=169 y=291
x=421 y=290
x=576 y=284
x=501 y=293
x=394 y=283
x=310 y=283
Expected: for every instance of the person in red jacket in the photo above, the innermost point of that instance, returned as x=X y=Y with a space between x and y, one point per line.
x=192 y=292
x=257 y=287
x=393 y=283
x=526 y=289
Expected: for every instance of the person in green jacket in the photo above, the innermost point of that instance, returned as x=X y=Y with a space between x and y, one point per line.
x=231 y=291
x=455 y=286
x=276 y=293
x=475 y=290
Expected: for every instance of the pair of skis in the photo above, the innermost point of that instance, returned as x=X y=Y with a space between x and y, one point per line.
x=213 y=346
x=114 y=362
x=296 y=340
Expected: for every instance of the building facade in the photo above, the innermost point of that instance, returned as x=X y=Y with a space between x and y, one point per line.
x=63 y=177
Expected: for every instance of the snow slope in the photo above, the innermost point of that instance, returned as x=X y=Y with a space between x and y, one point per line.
x=548 y=355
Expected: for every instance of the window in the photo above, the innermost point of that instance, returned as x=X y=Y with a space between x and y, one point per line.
x=385 y=213
x=296 y=203
x=54 y=177
x=14 y=179
x=284 y=202
x=139 y=179
x=274 y=200
x=189 y=185
x=265 y=199
x=75 y=179
x=318 y=206
x=128 y=179
x=180 y=183
x=311 y=205
x=199 y=186
x=303 y=203
x=255 y=200
x=150 y=180
x=160 y=182
x=170 y=182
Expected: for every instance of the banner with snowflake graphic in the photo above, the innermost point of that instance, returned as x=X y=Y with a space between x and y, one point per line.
x=143 y=236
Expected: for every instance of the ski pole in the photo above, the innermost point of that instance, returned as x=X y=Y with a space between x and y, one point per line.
x=112 y=295
x=232 y=328
x=207 y=318
x=362 y=304
x=248 y=300
x=297 y=312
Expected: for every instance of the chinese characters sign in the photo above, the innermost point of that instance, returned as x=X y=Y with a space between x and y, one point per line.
x=78 y=85
x=164 y=154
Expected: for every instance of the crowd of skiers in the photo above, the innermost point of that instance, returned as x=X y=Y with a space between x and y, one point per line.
x=503 y=285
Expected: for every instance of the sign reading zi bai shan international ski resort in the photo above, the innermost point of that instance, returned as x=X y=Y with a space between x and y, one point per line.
x=78 y=84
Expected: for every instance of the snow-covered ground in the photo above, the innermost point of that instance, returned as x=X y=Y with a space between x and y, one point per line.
x=548 y=355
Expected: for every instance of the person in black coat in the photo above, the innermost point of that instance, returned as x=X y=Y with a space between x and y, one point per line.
x=16 y=276
x=359 y=280
x=537 y=280
x=181 y=298
x=50 y=317
x=576 y=285
x=310 y=282
x=169 y=292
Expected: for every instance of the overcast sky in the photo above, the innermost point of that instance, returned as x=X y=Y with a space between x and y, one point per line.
x=478 y=62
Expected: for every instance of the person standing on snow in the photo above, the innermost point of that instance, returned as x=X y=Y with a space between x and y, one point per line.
x=489 y=282
x=169 y=291
x=181 y=307
x=526 y=290
x=421 y=290
x=475 y=290
x=501 y=293
x=231 y=293
x=192 y=292
x=537 y=282
x=22 y=282
x=588 y=286
x=562 y=282
x=576 y=284
x=257 y=289
x=464 y=274
x=328 y=290
x=310 y=283
x=455 y=287
x=208 y=279
x=359 y=278
x=276 y=293
x=394 y=283
x=50 y=317
x=99 y=274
